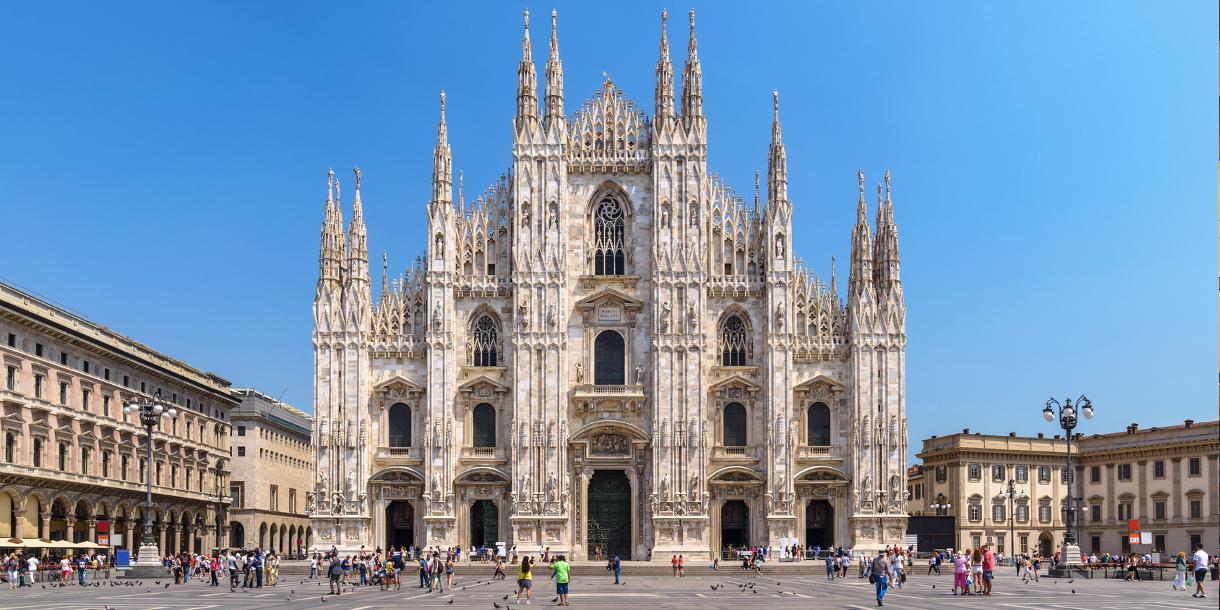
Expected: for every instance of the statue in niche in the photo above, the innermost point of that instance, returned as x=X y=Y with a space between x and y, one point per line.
x=525 y=213
x=694 y=214
x=437 y=320
x=440 y=246
x=580 y=373
x=691 y=318
x=523 y=313
x=665 y=311
x=351 y=484
x=639 y=374
x=779 y=245
x=552 y=216
x=665 y=487
x=779 y=315
x=665 y=215
x=550 y=316
x=552 y=483
x=694 y=486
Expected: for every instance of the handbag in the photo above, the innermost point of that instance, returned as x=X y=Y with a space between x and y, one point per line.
x=872 y=579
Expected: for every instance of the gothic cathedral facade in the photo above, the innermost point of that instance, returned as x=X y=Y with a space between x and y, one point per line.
x=609 y=350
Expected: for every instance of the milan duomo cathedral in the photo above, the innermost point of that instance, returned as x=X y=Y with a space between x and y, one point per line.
x=609 y=350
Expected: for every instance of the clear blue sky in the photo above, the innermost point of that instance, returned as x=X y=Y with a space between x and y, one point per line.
x=163 y=169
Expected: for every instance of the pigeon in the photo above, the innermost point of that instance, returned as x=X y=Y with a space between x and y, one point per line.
x=1073 y=591
x=449 y=602
x=324 y=599
x=505 y=597
x=554 y=600
x=148 y=590
x=166 y=585
x=496 y=605
x=157 y=582
x=933 y=586
x=1071 y=580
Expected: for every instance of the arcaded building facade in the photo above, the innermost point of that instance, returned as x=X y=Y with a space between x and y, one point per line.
x=609 y=347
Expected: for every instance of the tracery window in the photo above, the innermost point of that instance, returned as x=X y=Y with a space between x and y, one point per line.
x=484 y=342
x=609 y=226
x=735 y=345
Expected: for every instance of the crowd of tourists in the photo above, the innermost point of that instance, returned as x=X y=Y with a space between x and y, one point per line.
x=27 y=569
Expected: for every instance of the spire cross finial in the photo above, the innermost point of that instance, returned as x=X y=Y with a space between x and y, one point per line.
x=775 y=101
x=442 y=104
x=356 y=170
x=860 y=177
x=527 y=20
x=887 y=185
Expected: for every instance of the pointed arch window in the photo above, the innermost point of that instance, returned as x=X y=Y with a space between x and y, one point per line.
x=609 y=229
x=485 y=341
x=734 y=425
x=818 y=425
x=400 y=425
x=735 y=344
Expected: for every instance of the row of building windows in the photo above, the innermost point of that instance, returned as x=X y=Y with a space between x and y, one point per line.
x=65 y=359
x=85 y=464
x=1194 y=468
x=237 y=491
x=999 y=473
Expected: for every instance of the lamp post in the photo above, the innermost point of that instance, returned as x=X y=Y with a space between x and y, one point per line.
x=941 y=506
x=1010 y=492
x=1067 y=421
x=151 y=412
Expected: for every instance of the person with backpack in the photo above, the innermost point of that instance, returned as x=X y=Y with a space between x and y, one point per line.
x=878 y=574
x=616 y=566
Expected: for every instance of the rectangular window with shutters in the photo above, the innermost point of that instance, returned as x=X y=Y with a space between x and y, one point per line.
x=1044 y=513
x=997 y=513
x=1124 y=511
x=63 y=394
x=1024 y=541
x=1022 y=473
x=1158 y=469
x=975 y=472
x=1044 y=474
x=1196 y=509
x=1194 y=467
x=1158 y=541
x=975 y=512
x=237 y=493
x=37 y=386
x=1095 y=543
x=12 y=340
x=1095 y=474
x=1124 y=472
x=942 y=474
x=1023 y=513
x=38 y=350
x=84 y=365
x=275 y=497
x=105 y=405
x=63 y=358
x=241 y=452
x=84 y=400
x=1158 y=510
x=10 y=379
x=997 y=472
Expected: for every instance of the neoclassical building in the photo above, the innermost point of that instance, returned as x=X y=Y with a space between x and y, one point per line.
x=75 y=464
x=609 y=347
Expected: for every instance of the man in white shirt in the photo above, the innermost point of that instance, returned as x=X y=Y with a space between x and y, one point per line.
x=32 y=564
x=1201 y=559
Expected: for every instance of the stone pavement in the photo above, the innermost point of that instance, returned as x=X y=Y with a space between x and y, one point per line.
x=804 y=591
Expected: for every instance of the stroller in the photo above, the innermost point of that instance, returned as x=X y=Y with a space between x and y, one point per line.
x=378 y=578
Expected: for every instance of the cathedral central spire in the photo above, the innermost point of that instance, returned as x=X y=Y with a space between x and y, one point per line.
x=527 y=83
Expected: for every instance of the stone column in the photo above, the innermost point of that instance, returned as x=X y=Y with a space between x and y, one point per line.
x=70 y=531
x=165 y=527
x=92 y=525
x=1142 y=496
x=45 y=528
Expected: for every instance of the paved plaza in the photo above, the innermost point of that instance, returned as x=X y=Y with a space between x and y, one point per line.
x=805 y=591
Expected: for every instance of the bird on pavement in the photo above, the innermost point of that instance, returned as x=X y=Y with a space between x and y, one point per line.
x=505 y=597
x=449 y=602
x=324 y=599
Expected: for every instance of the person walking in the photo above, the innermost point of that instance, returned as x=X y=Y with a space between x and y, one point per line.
x=988 y=568
x=830 y=567
x=976 y=571
x=560 y=570
x=878 y=574
x=214 y=570
x=1201 y=560
x=681 y=567
x=961 y=573
x=525 y=578
x=1179 y=565
x=616 y=566
x=334 y=574
x=673 y=565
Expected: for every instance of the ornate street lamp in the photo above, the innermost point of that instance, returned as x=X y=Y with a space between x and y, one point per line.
x=1010 y=492
x=1067 y=421
x=151 y=412
x=941 y=506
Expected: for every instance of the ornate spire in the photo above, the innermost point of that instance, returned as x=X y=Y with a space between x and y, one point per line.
x=665 y=79
x=461 y=195
x=777 y=161
x=554 y=80
x=692 y=80
x=330 y=256
x=757 y=191
x=527 y=83
x=385 y=274
x=886 y=246
x=861 y=248
x=834 y=283
x=442 y=162
x=357 y=239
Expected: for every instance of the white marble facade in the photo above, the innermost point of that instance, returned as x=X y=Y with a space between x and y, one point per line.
x=609 y=347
